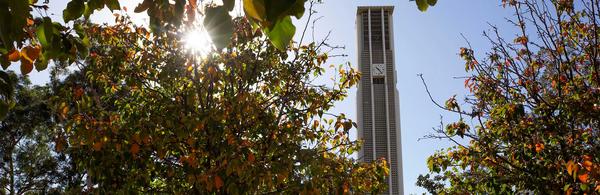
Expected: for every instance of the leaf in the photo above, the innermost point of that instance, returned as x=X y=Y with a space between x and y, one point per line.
x=74 y=10
x=31 y=52
x=588 y=165
x=251 y=157
x=229 y=4
x=97 y=146
x=4 y=62
x=280 y=9
x=14 y=55
x=41 y=63
x=219 y=26
x=134 y=149
x=570 y=167
x=281 y=34
x=91 y=6
x=44 y=32
x=431 y=2
x=255 y=9
x=3 y=109
x=113 y=5
x=26 y=66
x=422 y=5
x=583 y=178
x=143 y=6
x=218 y=182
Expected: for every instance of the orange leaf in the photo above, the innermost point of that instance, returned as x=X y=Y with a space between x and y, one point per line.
x=97 y=146
x=14 y=55
x=26 y=66
x=539 y=147
x=218 y=182
x=250 y=157
x=583 y=178
x=33 y=53
x=346 y=188
x=570 y=167
x=588 y=165
x=29 y=22
x=134 y=149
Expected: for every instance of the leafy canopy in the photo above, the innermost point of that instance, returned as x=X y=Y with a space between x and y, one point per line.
x=150 y=116
x=534 y=106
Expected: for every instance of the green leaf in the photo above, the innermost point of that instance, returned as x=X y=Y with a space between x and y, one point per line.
x=422 y=5
x=281 y=34
x=45 y=32
x=431 y=2
x=74 y=10
x=219 y=26
x=113 y=5
x=41 y=63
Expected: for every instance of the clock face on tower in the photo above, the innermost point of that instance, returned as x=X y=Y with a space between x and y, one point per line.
x=378 y=70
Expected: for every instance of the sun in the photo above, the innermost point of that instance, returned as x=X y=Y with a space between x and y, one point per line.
x=198 y=41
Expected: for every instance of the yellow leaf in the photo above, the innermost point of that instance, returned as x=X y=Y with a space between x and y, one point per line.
x=570 y=167
x=588 y=165
x=255 y=9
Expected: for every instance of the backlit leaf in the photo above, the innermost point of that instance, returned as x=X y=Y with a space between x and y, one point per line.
x=422 y=5
x=282 y=33
x=26 y=66
x=14 y=55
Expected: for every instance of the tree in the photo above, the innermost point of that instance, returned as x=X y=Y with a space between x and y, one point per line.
x=37 y=41
x=28 y=164
x=534 y=107
x=150 y=116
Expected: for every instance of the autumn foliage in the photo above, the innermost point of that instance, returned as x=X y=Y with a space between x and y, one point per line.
x=143 y=114
x=532 y=120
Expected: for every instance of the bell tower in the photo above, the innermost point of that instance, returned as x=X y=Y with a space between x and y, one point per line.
x=378 y=102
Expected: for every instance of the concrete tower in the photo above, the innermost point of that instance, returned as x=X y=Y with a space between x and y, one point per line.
x=378 y=102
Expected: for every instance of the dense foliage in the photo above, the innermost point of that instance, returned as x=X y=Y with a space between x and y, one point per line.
x=28 y=162
x=146 y=115
x=534 y=108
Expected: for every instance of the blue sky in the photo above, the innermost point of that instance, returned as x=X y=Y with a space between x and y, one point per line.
x=426 y=43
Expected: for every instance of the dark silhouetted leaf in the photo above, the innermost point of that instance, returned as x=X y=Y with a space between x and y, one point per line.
x=74 y=10
x=219 y=26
